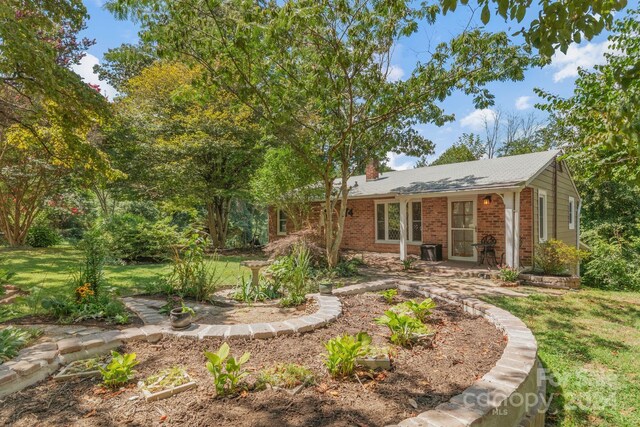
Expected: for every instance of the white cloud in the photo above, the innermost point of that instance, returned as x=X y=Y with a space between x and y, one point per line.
x=400 y=162
x=523 y=103
x=476 y=119
x=85 y=70
x=395 y=73
x=578 y=57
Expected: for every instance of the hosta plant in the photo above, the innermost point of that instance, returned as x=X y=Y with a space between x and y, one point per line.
x=405 y=329
x=420 y=310
x=120 y=370
x=389 y=295
x=226 y=370
x=343 y=351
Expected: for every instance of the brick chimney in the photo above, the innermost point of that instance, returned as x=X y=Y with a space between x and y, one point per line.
x=371 y=171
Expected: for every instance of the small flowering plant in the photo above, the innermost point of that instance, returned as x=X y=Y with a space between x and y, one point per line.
x=508 y=274
x=84 y=292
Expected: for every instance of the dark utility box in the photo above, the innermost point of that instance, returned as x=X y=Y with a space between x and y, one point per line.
x=431 y=252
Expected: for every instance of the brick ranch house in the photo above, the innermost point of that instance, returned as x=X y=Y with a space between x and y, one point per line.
x=520 y=200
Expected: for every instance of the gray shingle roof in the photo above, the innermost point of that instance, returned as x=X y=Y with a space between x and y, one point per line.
x=477 y=175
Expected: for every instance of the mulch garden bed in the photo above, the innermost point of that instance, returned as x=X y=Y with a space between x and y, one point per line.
x=41 y=319
x=464 y=349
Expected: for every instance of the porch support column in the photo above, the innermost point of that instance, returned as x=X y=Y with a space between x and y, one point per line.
x=403 y=229
x=512 y=228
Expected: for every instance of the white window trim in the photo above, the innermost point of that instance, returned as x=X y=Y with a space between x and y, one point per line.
x=450 y=200
x=543 y=194
x=386 y=221
x=572 y=211
x=279 y=232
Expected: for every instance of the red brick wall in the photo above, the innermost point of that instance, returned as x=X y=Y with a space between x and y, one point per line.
x=359 y=233
x=435 y=222
x=490 y=220
x=360 y=230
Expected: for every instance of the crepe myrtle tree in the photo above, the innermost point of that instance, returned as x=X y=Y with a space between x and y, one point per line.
x=325 y=66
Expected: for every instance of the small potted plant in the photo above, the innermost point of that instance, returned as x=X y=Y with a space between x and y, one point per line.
x=181 y=317
x=325 y=287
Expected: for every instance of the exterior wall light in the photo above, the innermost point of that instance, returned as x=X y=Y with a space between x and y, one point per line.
x=487 y=200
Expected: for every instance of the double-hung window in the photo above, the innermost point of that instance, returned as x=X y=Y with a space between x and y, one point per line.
x=572 y=213
x=388 y=222
x=542 y=215
x=282 y=223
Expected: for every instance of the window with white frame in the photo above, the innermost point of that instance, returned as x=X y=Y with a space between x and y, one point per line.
x=388 y=222
x=282 y=222
x=572 y=213
x=542 y=215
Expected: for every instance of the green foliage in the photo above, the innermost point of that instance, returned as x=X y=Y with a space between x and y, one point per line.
x=420 y=310
x=5 y=276
x=42 y=236
x=191 y=275
x=285 y=375
x=33 y=299
x=294 y=273
x=133 y=238
x=468 y=148
x=94 y=250
x=554 y=26
x=601 y=119
x=13 y=339
x=343 y=351
x=405 y=329
x=267 y=289
x=407 y=263
x=508 y=274
x=613 y=261
x=347 y=268
x=389 y=295
x=555 y=257
x=120 y=370
x=226 y=370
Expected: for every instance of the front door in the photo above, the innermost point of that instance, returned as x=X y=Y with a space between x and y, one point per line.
x=462 y=231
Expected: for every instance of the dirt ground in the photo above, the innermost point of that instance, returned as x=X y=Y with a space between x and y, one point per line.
x=464 y=349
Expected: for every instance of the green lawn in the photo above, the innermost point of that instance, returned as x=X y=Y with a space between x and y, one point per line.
x=51 y=269
x=590 y=341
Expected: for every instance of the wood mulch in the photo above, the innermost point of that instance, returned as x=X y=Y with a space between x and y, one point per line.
x=464 y=349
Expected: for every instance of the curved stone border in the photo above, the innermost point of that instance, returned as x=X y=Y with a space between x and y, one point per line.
x=35 y=363
x=510 y=394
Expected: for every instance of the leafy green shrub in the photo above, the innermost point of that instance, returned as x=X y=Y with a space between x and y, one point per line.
x=134 y=238
x=508 y=274
x=226 y=370
x=5 y=277
x=90 y=274
x=407 y=263
x=343 y=351
x=405 y=329
x=420 y=310
x=287 y=375
x=191 y=275
x=389 y=295
x=13 y=339
x=348 y=268
x=613 y=262
x=42 y=236
x=554 y=257
x=294 y=273
x=120 y=370
x=266 y=290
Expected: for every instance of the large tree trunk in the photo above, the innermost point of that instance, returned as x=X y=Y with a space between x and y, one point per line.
x=218 y=220
x=334 y=227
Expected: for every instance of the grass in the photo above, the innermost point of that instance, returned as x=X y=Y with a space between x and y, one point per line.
x=51 y=269
x=590 y=342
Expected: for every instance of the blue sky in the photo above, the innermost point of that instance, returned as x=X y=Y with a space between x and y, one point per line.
x=519 y=97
